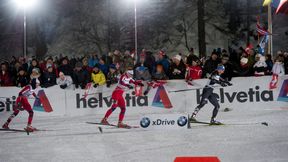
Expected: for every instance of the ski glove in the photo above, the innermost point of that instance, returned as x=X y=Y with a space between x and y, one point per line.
x=63 y=86
x=130 y=87
x=95 y=85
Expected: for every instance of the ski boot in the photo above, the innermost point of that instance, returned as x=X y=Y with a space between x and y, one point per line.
x=192 y=119
x=29 y=128
x=5 y=126
x=122 y=125
x=215 y=122
x=104 y=121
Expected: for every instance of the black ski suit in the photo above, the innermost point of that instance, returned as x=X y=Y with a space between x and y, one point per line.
x=208 y=94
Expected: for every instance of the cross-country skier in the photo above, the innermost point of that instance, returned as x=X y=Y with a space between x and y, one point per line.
x=208 y=94
x=125 y=82
x=23 y=104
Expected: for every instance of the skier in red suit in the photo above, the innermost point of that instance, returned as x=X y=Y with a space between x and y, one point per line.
x=118 y=99
x=23 y=104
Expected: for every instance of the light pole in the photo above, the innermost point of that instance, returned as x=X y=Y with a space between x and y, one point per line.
x=25 y=4
x=135 y=30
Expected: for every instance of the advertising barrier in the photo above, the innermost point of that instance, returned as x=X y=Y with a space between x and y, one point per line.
x=176 y=96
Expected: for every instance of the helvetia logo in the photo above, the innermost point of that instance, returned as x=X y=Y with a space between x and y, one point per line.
x=161 y=99
x=283 y=95
x=252 y=95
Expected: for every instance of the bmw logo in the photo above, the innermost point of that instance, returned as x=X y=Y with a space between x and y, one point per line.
x=145 y=122
x=182 y=121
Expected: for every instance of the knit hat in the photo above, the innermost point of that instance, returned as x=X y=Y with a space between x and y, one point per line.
x=178 y=57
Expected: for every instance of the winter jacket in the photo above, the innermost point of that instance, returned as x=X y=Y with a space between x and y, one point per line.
x=229 y=72
x=177 y=71
x=278 y=68
x=49 y=79
x=98 y=78
x=166 y=64
x=81 y=78
x=22 y=81
x=209 y=66
x=66 y=69
x=142 y=75
x=112 y=78
x=66 y=82
x=260 y=68
x=104 y=68
x=194 y=72
x=5 y=79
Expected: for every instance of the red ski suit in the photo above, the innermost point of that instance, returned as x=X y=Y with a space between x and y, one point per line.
x=117 y=95
x=22 y=102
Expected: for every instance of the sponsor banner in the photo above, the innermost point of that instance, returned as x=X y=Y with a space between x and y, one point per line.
x=249 y=93
x=164 y=121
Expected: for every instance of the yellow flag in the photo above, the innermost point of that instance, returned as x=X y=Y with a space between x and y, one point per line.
x=266 y=2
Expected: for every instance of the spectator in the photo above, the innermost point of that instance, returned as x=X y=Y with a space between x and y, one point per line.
x=5 y=77
x=34 y=64
x=49 y=78
x=22 y=78
x=103 y=67
x=260 y=67
x=65 y=67
x=149 y=61
x=112 y=76
x=229 y=70
x=194 y=70
x=269 y=63
x=63 y=81
x=80 y=76
x=23 y=63
x=108 y=58
x=210 y=65
x=178 y=68
x=97 y=76
x=244 y=69
x=36 y=74
x=86 y=65
x=142 y=62
x=160 y=73
x=277 y=70
x=93 y=60
x=128 y=60
x=142 y=73
x=118 y=61
x=163 y=59
x=286 y=62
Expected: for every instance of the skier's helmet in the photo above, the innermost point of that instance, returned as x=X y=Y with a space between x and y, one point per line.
x=221 y=67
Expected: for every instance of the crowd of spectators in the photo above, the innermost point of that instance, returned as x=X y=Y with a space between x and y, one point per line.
x=105 y=69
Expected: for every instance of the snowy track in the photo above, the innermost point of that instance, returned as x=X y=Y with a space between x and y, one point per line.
x=71 y=139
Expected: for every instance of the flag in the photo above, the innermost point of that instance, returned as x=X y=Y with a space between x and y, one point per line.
x=283 y=7
x=275 y=3
x=261 y=31
x=262 y=44
x=266 y=2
